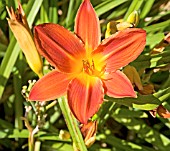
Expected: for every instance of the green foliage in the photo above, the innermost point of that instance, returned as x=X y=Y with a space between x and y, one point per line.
x=123 y=124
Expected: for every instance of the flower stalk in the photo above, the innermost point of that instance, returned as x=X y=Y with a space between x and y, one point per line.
x=72 y=125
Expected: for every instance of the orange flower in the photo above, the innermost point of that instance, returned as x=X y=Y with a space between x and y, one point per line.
x=85 y=69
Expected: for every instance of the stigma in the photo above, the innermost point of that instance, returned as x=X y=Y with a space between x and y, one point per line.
x=90 y=69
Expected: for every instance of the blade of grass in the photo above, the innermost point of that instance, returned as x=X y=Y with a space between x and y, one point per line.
x=18 y=100
x=139 y=4
x=122 y=145
x=3 y=47
x=147 y=7
x=72 y=10
x=119 y=11
x=157 y=17
x=145 y=132
x=158 y=26
x=108 y=5
x=8 y=63
x=53 y=14
x=148 y=61
x=44 y=12
x=17 y=83
x=131 y=8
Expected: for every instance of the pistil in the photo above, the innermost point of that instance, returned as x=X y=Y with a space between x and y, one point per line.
x=91 y=70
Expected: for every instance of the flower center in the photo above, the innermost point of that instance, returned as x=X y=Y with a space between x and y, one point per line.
x=90 y=68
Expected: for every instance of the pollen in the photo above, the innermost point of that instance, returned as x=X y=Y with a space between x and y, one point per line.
x=90 y=69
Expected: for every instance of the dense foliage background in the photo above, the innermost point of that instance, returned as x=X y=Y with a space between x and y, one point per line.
x=123 y=124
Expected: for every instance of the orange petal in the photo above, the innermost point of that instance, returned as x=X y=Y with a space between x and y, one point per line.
x=117 y=85
x=85 y=94
x=121 y=48
x=87 y=26
x=60 y=47
x=49 y=87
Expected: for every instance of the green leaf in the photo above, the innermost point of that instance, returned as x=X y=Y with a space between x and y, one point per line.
x=143 y=102
x=108 y=5
x=72 y=10
x=118 y=11
x=131 y=8
x=158 y=26
x=14 y=133
x=154 y=39
x=5 y=124
x=151 y=61
x=122 y=145
x=145 y=132
x=147 y=8
x=125 y=113
x=164 y=94
x=44 y=12
x=53 y=14
x=2 y=6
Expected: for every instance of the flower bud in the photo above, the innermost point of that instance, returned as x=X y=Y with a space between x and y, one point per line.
x=163 y=112
x=111 y=28
x=19 y=26
x=133 y=18
x=64 y=135
x=123 y=25
x=89 y=132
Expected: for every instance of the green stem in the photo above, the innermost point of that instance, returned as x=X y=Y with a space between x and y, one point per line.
x=72 y=124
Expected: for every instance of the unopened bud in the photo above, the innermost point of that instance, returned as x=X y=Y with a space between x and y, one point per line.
x=133 y=18
x=123 y=26
x=22 y=33
x=163 y=112
x=89 y=132
x=64 y=135
x=111 y=28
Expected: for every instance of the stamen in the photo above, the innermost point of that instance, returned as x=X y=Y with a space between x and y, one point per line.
x=91 y=70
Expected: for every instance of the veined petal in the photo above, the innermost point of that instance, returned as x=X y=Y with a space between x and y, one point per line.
x=49 y=87
x=85 y=94
x=121 y=48
x=60 y=47
x=87 y=26
x=117 y=85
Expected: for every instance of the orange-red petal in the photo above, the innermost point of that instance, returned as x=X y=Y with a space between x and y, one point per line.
x=121 y=48
x=85 y=94
x=60 y=47
x=117 y=85
x=87 y=26
x=49 y=87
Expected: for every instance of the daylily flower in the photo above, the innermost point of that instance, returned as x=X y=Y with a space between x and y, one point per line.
x=85 y=69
